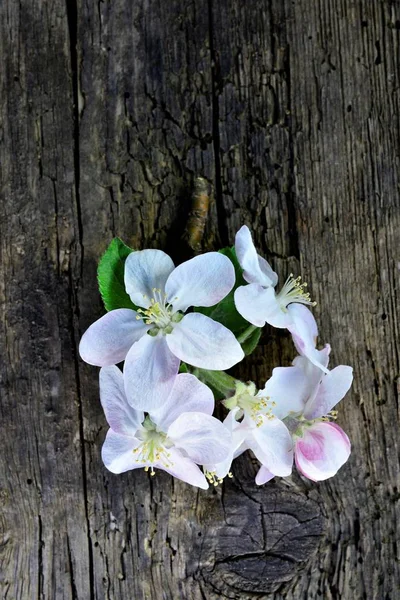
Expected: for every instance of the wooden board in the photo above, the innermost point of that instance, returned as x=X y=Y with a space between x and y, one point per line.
x=109 y=111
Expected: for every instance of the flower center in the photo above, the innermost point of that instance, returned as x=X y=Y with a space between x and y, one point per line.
x=154 y=446
x=294 y=291
x=257 y=407
x=160 y=313
x=261 y=407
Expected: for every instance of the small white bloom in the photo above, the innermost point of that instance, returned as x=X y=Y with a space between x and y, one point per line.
x=259 y=303
x=260 y=430
x=176 y=438
x=154 y=340
x=303 y=396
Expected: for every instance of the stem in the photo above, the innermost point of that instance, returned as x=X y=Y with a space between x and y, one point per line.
x=246 y=333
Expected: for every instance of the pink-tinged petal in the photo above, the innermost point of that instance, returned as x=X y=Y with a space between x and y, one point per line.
x=109 y=339
x=149 y=373
x=145 y=271
x=289 y=388
x=310 y=368
x=263 y=476
x=256 y=269
x=117 y=452
x=204 y=343
x=188 y=395
x=272 y=444
x=304 y=332
x=204 y=439
x=304 y=324
x=334 y=386
x=201 y=281
x=185 y=469
x=259 y=306
x=121 y=417
x=322 y=450
x=313 y=373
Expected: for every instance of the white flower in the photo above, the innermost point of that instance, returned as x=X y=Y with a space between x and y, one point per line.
x=158 y=336
x=176 y=438
x=304 y=397
x=260 y=431
x=258 y=302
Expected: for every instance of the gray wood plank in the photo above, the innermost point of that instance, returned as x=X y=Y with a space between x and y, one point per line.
x=44 y=526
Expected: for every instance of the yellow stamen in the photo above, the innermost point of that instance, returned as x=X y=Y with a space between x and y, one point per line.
x=159 y=312
x=212 y=478
x=294 y=291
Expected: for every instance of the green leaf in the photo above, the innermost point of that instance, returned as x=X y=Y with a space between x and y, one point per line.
x=221 y=384
x=110 y=276
x=220 y=381
x=251 y=342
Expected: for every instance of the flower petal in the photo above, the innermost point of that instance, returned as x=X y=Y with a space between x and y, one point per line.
x=263 y=476
x=204 y=439
x=201 y=281
x=304 y=331
x=121 y=417
x=250 y=302
x=183 y=468
x=305 y=364
x=272 y=444
x=313 y=373
x=322 y=450
x=231 y=422
x=255 y=267
x=146 y=270
x=259 y=306
x=188 y=395
x=204 y=343
x=117 y=452
x=222 y=468
x=334 y=386
x=242 y=448
x=289 y=388
x=109 y=339
x=149 y=373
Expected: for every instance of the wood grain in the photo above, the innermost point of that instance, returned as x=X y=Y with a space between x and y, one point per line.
x=109 y=111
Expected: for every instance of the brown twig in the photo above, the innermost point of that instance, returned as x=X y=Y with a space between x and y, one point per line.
x=194 y=231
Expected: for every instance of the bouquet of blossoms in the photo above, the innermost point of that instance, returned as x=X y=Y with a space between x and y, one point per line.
x=178 y=329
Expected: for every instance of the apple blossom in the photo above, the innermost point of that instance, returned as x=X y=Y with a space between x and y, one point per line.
x=303 y=397
x=177 y=438
x=259 y=303
x=260 y=430
x=155 y=338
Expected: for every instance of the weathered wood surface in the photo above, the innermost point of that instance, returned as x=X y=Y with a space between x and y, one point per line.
x=108 y=111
